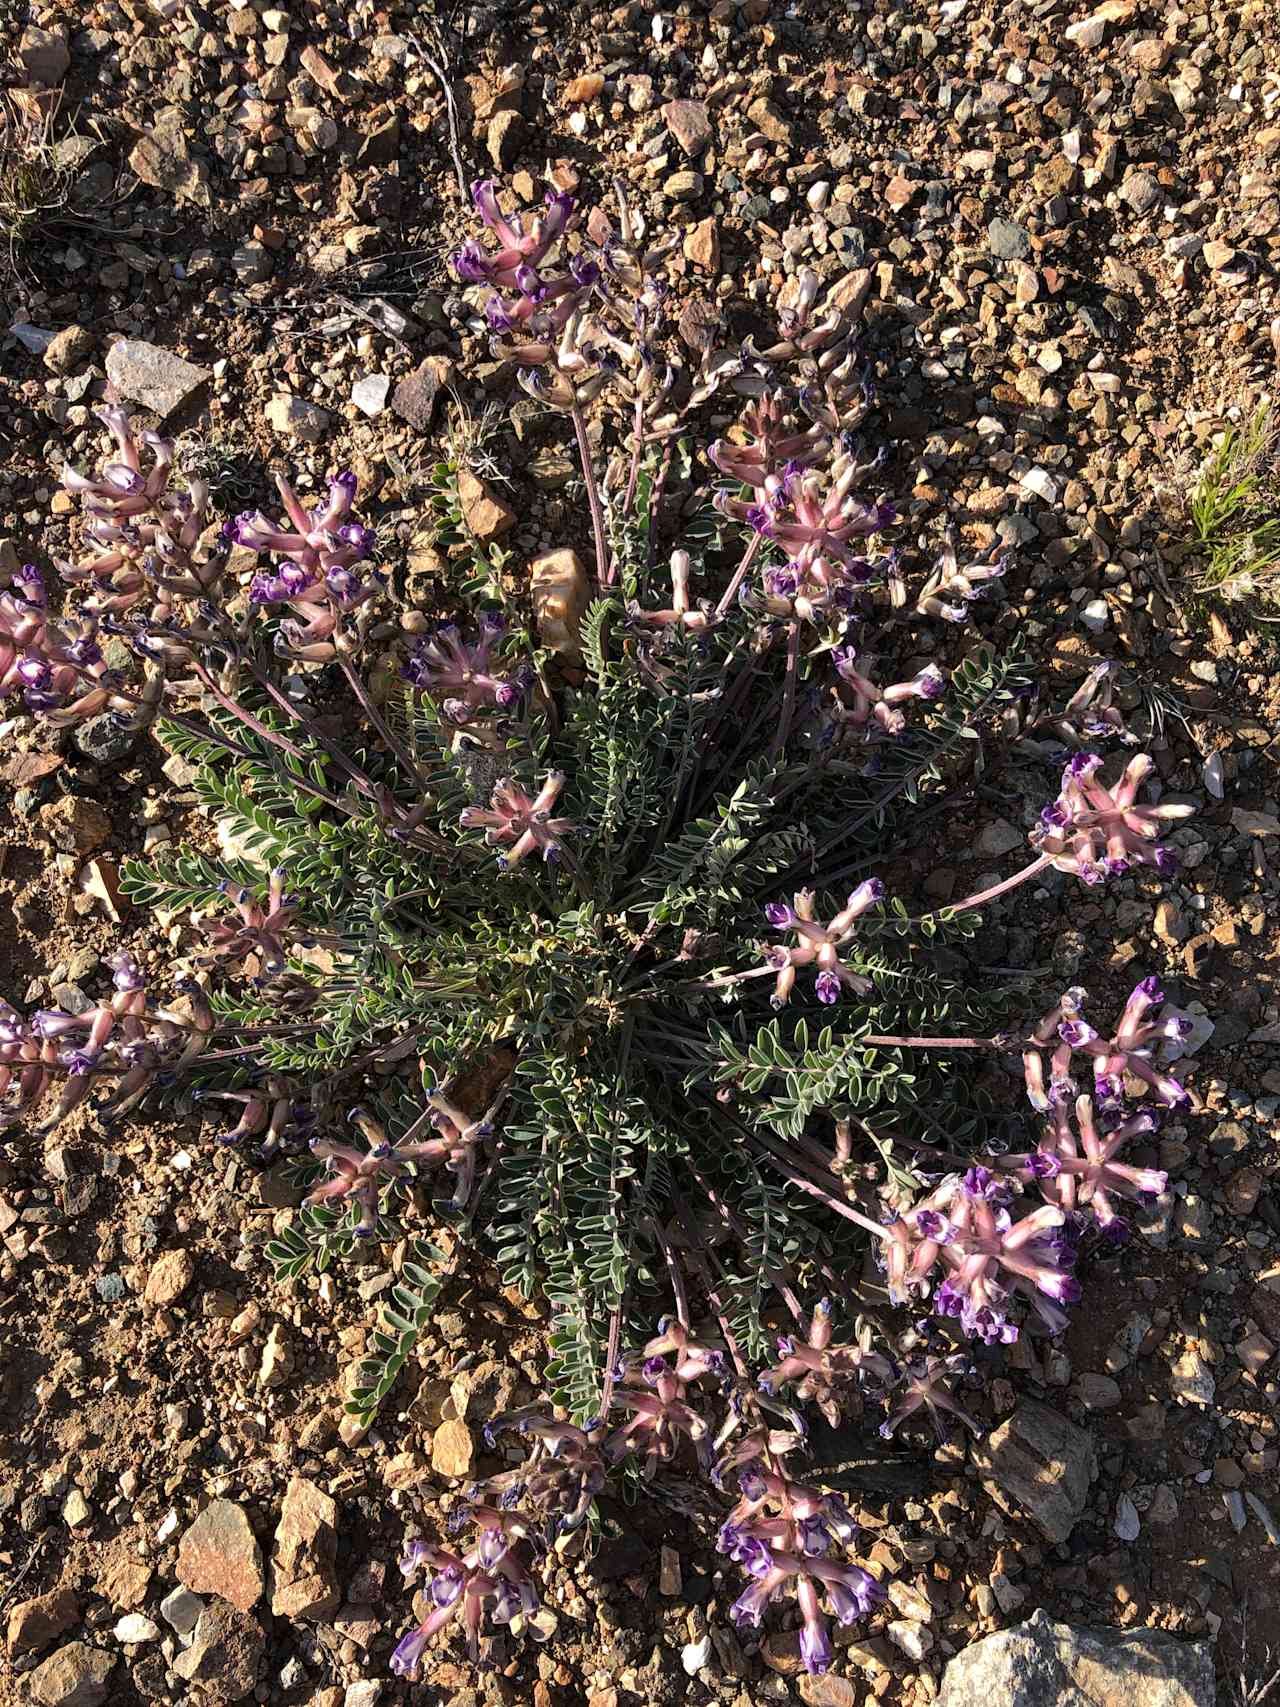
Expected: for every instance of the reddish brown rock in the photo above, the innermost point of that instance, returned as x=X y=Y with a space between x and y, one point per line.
x=219 y=1554
x=305 y=1583
x=170 y=1276
x=76 y=1676
x=487 y=517
x=33 y=1624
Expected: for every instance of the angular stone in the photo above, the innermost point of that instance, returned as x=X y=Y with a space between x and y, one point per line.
x=170 y=1276
x=689 y=124
x=156 y=378
x=44 y=55
x=702 y=246
x=219 y=1554
x=560 y=594
x=136 y=1627
x=503 y=138
x=452 y=1450
x=70 y=349
x=683 y=186
x=769 y=121
x=33 y=1624
x=74 y=824
x=293 y=417
x=487 y=517
x=305 y=1584
x=415 y=397
x=76 y=1676
x=370 y=394
x=1039 y=1465
x=225 y=1652
x=1045 y=1664
x=581 y=90
x=181 y=1609
x=124 y=1582
x=162 y=160
x=1007 y=241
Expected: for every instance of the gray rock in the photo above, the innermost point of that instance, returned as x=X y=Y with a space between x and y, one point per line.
x=295 y=418
x=1044 y=1664
x=156 y=378
x=34 y=339
x=1140 y=191
x=105 y=739
x=180 y=1610
x=1007 y=241
x=44 y=55
x=252 y=263
x=1039 y=1465
x=997 y=838
x=370 y=393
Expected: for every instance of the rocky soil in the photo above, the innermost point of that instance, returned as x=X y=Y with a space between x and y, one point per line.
x=1068 y=218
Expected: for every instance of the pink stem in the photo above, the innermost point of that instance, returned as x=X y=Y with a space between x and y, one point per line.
x=1032 y=870
x=740 y=574
x=604 y=568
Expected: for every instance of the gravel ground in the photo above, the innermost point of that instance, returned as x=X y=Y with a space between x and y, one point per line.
x=1069 y=221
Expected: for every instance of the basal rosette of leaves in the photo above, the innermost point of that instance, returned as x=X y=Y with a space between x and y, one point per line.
x=593 y=956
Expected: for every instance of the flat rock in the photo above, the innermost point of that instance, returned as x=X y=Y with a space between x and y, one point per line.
x=33 y=1624
x=305 y=1583
x=295 y=418
x=219 y=1554
x=1007 y=241
x=1039 y=1465
x=689 y=124
x=170 y=1276
x=370 y=394
x=560 y=594
x=181 y=1610
x=76 y=1676
x=226 y=1649
x=155 y=377
x=487 y=517
x=44 y=54
x=416 y=396
x=162 y=160
x=1045 y=1664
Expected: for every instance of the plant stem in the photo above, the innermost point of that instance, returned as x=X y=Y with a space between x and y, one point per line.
x=1028 y=871
x=740 y=573
x=789 y=688
x=604 y=565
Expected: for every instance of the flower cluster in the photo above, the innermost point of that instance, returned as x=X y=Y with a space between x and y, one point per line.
x=316 y=578
x=517 y=824
x=153 y=547
x=57 y=667
x=655 y=1395
x=818 y=1369
x=782 y=1532
x=1065 y=1031
x=875 y=707
x=819 y=945
x=359 y=1179
x=462 y=676
x=488 y=1579
x=1095 y=832
x=1078 y=1170
x=258 y=929
x=121 y=1036
x=965 y=1232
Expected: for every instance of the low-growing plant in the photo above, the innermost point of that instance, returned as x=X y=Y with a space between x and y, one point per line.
x=1235 y=514
x=594 y=938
